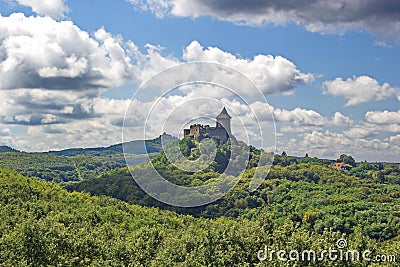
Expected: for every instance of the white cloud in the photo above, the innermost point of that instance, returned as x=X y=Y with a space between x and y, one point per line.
x=391 y=128
x=330 y=144
x=383 y=117
x=377 y=16
x=5 y=136
x=287 y=128
x=326 y=139
x=65 y=57
x=55 y=93
x=52 y=72
x=5 y=132
x=339 y=134
x=359 y=90
x=36 y=106
x=299 y=116
x=394 y=140
x=63 y=79
x=339 y=119
x=382 y=44
x=78 y=133
x=366 y=129
x=53 y=8
x=152 y=62
x=102 y=126
x=362 y=130
x=273 y=75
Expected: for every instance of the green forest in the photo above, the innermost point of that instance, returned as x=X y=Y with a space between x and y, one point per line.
x=83 y=208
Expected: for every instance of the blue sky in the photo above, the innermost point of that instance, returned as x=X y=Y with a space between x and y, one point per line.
x=342 y=65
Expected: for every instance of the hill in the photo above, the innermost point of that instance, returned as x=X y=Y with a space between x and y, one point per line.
x=4 y=149
x=44 y=225
x=56 y=168
x=78 y=164
x=308 y=191
x=133 y=147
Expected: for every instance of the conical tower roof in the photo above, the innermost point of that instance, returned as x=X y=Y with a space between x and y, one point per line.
x=224 y=114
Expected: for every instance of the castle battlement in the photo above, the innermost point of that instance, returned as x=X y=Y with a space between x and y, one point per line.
x=222 y=129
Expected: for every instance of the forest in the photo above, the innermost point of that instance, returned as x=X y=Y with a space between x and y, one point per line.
x=79 y=209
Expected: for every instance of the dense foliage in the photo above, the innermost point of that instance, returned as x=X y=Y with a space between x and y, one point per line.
x=337 y=201
x=303 y=204
x=7 y=149
x=76 y=164
x=44 y=225
x=306 y=190
x=56 y=168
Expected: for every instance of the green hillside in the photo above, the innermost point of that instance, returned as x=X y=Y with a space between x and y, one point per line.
x=6 y=149
x=79 y=164
x=57 y=169
x=133 y=147
x=303 y=204
x=307 y=191
x=44 y=225
x=335 y=200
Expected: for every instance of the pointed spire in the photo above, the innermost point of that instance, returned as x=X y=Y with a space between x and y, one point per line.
x=224 y=114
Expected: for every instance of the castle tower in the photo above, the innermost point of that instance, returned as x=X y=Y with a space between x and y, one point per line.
x=224 y=120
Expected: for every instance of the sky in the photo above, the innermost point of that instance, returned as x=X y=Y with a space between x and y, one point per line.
x=329 y=71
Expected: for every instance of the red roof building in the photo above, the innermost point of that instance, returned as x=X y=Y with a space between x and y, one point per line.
x=341 y=166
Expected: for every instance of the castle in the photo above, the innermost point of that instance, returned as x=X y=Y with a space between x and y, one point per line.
x=222 y=129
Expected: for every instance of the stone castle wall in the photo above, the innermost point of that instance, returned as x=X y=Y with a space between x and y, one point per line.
x=200 y=132
x=222 y=130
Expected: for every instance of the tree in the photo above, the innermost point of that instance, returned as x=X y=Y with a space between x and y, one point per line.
x=347 y=160
x=186 y=145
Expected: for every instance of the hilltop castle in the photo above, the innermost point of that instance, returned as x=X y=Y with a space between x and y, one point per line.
x=222 y=129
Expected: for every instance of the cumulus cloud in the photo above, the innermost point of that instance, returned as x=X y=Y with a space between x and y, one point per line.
x=5 y=132
x=339 y=119
x=382 y=44
x=299 y=116
x=53 y=8
x=77 y=133
x=367 y=129
x=303 y=131
x=394 y=140
x=383 y=117
x=359 y=90
x=324 y=139
x=55 y=92
x=375 y=16
x=65 y=57
x=64 y=78
x=151 y=62
x=53 y=72
x=362 y=130
x=273 y=75
x=330 y=144
x=100 y=127
x=5 y=136
x=174 y=112
x=40 y=107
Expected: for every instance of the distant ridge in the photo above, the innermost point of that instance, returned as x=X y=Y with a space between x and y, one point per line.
x=4 y=149
x=133 y=147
